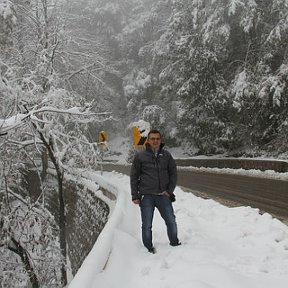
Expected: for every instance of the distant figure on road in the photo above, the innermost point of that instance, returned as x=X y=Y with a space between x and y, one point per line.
x=153 y=179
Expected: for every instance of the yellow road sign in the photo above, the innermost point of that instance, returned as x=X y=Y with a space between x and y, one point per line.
x=102 y=137
x=139 y=140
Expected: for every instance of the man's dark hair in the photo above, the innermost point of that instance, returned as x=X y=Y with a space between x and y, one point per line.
x=154 y=131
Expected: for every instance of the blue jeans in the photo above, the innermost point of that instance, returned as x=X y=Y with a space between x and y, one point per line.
x=164 y=206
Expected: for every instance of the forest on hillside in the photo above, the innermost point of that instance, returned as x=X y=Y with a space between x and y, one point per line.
x=211 y=74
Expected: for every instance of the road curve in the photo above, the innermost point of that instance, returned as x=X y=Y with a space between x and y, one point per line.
x=268 y=195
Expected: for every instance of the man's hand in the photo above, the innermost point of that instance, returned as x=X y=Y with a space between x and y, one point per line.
x=165 y=193
x=136 y=201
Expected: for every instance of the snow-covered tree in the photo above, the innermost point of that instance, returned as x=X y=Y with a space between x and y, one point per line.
x=29 y=231
x=207 y=49
x=7 y=22
x=42 y=115
x=259 y=87
x=61 y=132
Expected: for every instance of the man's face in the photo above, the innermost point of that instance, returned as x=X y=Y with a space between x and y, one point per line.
x=154 y=140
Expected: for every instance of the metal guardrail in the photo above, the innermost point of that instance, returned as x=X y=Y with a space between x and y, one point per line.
x=234 y=163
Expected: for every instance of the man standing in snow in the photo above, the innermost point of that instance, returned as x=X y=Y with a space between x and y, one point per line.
x=153 y=179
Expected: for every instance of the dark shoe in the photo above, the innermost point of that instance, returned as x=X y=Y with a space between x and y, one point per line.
x=175 y=244
x=152 y=250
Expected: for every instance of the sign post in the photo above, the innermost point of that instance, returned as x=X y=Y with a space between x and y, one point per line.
x=102 y=138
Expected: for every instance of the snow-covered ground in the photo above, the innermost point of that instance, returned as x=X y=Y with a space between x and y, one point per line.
x=221 y=247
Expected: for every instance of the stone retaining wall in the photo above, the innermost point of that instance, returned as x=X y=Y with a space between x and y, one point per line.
x=86 y=217
x=86 y=214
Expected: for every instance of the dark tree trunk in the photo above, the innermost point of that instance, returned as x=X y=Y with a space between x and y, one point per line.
x=16 y=247
x=62 y=216
x=44 y=157
x=62 y=227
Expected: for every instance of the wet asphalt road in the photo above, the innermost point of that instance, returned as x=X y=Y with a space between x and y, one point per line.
x=268 y=195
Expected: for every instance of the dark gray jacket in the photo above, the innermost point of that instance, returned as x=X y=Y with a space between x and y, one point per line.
x=152 y=174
